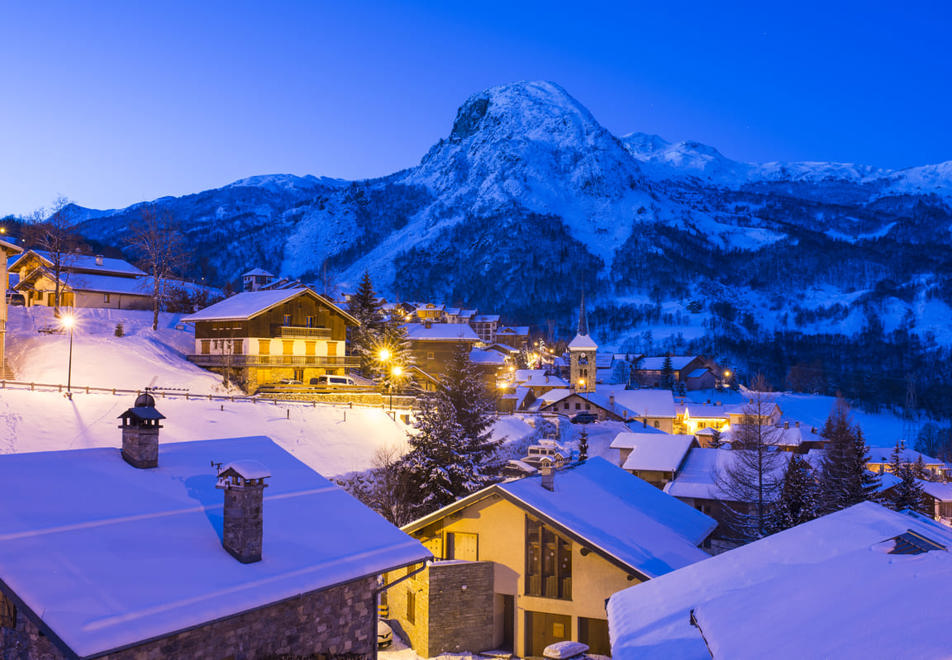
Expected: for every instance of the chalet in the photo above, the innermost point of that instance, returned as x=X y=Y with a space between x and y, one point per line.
x=539 y=381
x=256 y=279
x=693 y=417
x=654 y=457
x=7 y=250
x=515 y=336
x=485 y=325
x=652 y=408
x=880 y=460
x=259 y=337
x=261 y=557
x=818 y=590
x=84 y=281
x=938 y=499
x=692 y=370
x=538 y=557
x=432 y=344
x=430 y=312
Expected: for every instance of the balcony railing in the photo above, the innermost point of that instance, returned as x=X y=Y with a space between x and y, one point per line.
x=301 y=332
x=218 y=360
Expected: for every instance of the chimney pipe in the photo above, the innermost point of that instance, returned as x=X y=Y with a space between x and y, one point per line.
x=243 y=528
x=548 y=477
x=786 y=425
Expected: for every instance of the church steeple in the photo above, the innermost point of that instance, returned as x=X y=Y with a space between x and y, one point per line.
x=582 y=319
x=582 y=369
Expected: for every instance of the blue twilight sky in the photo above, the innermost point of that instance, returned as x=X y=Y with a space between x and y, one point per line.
x=110 y=103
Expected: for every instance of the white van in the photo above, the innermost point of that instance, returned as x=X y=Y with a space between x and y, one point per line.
x=333 y=381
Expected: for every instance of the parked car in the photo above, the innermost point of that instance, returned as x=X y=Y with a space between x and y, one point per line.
x=384 y=634
x=289 y=381
x=333 y=381
x=584 y=418
x=15 y=299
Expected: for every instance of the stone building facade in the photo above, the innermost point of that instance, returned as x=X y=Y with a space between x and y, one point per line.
x=446 y=608
x=330 y=623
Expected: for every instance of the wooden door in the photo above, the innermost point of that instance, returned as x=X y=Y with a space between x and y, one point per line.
x=543 y=628
x=508 y=621
x=460 y=545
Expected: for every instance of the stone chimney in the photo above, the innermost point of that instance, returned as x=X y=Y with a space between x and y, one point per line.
x=786 y=425
x=427 y=323
x=798 y=424
x=548 y=477
x=140 y=433
x=243 y=483
x=99 y=260
x=611 y=400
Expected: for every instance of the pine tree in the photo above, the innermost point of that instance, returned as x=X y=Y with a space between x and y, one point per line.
x=365 y=338
x=716 y=441
x=583 y=445
x=798 y=495
x=907 y=494
x=667 y=373
x=452 y=451
x=844 y=479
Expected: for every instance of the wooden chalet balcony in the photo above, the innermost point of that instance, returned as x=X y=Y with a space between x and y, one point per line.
x=302 y=332
x=217 y=360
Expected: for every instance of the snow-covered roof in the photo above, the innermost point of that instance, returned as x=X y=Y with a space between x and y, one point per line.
x=259 y=272
x=652 y=451
x=633 y=522
x=8 y=247
x=485 y=318
x=134 y=286
x=604 y=360
x=939 y=490
x=678 y=362
x=884 y=455
x=248 y=304
x=440 y=332
x=698 y=475
x=824 y=589
x=73 y=261
x=538 y=378
x=480 y=356
x=794 y=436
x=582 y=343
x=517 y=330
x=697 y=373
x=109 y=555
x=248 y=468
x=638 y=403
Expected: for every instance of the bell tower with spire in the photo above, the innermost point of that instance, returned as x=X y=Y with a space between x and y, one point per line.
x=582 y=355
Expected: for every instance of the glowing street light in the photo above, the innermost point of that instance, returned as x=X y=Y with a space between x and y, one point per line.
x=395 y=373
x=385 y=355
x=68 y=321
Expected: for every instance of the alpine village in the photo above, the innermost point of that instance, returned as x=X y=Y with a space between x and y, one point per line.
x=549 y=393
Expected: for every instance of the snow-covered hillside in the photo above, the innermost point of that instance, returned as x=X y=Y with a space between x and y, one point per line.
x=331 y=439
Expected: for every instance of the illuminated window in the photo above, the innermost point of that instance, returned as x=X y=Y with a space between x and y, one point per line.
x=286 y=320
x=548 y=562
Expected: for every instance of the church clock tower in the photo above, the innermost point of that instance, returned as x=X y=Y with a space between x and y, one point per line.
x=582 y=355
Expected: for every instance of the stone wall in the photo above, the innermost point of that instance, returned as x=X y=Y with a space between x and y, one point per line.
x=453 y=607
x=338 y=622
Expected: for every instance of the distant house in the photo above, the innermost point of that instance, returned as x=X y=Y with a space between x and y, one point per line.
x=539 y=556
x=687 y=369
x=430 y=312
x=818 y=590
x=516 y=336
x=654 y=457
x=84 y=281
x=7 y=250
x=652 y=408
x=432 y=344
x=539 y=381
x=261 y=557
x=256 y=279
x=938 y=499
x=259 y=337
x=485 y=326
x=880 y=460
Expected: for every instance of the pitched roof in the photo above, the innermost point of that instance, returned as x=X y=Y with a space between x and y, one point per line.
x=440 y=332
x=653 y=451
x=634 y=523
x=678 y=362
x=258 y=272
x=7 y=246
x=698 y=475
x=143 y=546
x=249 y=304
x=637 y=403
x=72 y=261
x=582 y=342
x=827 y=588
x=485 y=318
x=480 y=356
x=884 y=455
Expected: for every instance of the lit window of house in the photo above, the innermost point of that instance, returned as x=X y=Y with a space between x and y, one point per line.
x=548 y=562
x=287 y=319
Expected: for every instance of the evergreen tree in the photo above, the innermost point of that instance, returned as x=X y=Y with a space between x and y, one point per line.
x=907 y=494
x=667 y=373
x=452 y=451
x=392 y=339
x=844 y=479
x=716 y=441
x=365 y=338
x=798 y=495
x=583 y=444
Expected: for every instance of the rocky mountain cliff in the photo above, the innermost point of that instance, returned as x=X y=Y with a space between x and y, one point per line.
x=528 y=200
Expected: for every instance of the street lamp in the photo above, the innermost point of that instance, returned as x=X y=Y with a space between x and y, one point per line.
x=395 y=373
x=68 y=321
x=384 y=355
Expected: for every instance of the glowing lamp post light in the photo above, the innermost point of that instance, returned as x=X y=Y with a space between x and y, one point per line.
x=395 y=374
x=68 y=321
